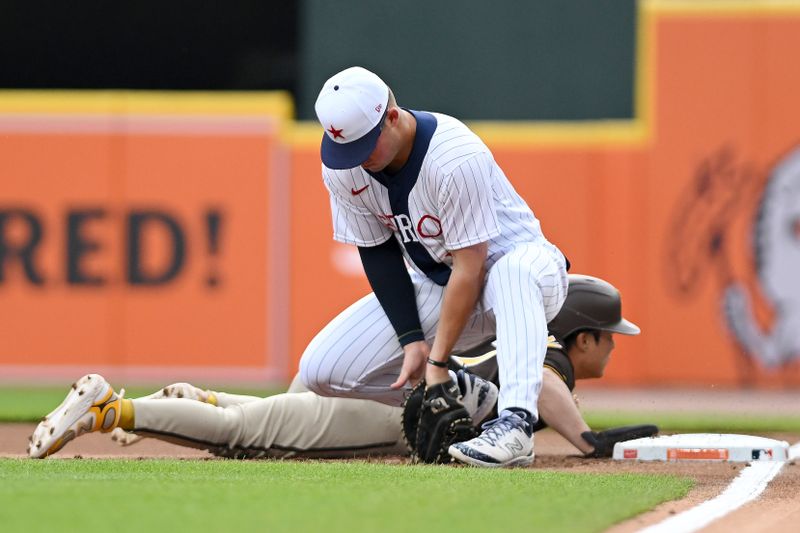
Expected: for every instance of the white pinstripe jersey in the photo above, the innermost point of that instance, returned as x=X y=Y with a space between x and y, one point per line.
x=450 y=194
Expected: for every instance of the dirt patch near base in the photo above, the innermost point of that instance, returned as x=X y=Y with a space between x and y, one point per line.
x=777 y=510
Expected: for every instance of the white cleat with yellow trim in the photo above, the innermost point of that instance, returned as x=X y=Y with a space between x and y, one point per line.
x=91 y=405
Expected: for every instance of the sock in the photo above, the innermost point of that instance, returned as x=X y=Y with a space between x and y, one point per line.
x=526 y=416
x=126 y=415
x=212 y=398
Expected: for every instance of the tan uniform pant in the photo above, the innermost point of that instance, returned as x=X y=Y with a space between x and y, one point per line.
x=297 y=423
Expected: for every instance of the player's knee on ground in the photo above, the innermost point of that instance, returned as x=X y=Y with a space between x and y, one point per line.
x=297 y=385
x=324 y=387
x=325 y=382
x=313 y=380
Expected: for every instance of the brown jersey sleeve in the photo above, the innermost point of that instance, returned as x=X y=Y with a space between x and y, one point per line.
x=557 y=361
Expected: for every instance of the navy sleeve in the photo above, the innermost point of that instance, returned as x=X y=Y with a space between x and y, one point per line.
x=389 y=279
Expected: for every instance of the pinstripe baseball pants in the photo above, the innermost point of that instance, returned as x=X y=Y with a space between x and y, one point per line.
x=357 y=354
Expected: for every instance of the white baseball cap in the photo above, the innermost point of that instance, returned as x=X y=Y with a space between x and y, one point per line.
x=351 y=107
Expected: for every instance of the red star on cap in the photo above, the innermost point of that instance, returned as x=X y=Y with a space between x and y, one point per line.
x=336 y=133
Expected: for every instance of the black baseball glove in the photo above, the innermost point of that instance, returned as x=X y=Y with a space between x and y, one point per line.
x=604 y=441
x=441 y=420
x=410 y=420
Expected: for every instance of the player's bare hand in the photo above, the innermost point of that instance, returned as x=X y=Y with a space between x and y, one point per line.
x=415 y=354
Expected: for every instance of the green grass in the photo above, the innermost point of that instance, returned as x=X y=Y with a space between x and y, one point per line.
x=222 y=495
x=697 y=422
x=29 y=404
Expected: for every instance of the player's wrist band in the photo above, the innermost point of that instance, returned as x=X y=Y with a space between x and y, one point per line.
x=440 y=364
x=411 y=336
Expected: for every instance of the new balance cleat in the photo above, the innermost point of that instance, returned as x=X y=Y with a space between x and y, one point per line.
x=503 y=443
x=91 y=405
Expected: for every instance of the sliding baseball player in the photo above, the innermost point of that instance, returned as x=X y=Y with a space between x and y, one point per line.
x=301 y=423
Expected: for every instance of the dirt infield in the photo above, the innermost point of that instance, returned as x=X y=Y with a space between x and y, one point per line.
x=777 y=510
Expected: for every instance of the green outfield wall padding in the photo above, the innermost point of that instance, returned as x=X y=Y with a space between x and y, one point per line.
x=542 y=60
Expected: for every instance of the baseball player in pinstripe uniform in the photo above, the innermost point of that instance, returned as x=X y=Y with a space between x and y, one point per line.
x=418 y=188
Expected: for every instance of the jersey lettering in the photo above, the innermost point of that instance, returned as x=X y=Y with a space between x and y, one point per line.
x=429 y=227
x=461 y=182
x=388 y=221
x=406 y=228
x=399 y=188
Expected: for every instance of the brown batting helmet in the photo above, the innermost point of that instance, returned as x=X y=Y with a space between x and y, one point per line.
x=591 y=303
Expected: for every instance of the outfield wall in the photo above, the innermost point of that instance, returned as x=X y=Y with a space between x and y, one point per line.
x=158 y=236
x=144 y=232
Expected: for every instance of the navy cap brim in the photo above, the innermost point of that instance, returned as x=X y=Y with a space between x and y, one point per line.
x=348 y=155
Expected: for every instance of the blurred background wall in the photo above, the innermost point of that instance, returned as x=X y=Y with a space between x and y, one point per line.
x=242 y=44
x=528 y=60
x=161 y=215
x=515 y=60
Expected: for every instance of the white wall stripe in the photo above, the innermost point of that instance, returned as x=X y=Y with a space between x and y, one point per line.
x=277 y=349
x=137 y=124
x=794 y=451
x=146 y=375
x=747 y=486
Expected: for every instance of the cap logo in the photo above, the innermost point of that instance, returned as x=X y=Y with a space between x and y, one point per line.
x=337 y=134
x=378 y=108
